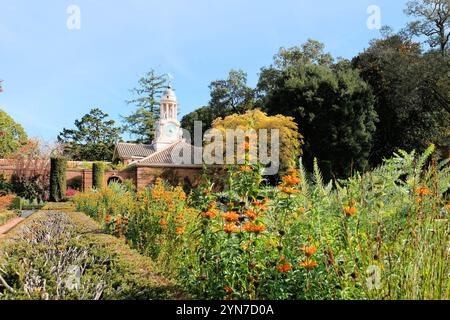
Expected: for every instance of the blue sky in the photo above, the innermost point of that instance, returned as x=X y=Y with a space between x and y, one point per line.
x=54 y=75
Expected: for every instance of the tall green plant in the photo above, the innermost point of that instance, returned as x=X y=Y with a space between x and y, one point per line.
x=58 y=179
x=98 y=175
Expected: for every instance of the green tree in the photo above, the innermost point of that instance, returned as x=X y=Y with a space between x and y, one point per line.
x=229 y=96
x=141 y=123
x=12 y=135
x=93 y=139
x=329 y=101
x=203 y=114
x=232 y=95
x=433 y=21
x=411 y=90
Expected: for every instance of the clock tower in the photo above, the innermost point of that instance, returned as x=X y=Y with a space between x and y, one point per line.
x=168 y=129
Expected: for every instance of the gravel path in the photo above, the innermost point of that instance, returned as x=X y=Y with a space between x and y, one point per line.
x=10 y=225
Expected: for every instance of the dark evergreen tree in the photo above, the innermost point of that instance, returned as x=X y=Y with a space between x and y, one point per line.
x=93 y=139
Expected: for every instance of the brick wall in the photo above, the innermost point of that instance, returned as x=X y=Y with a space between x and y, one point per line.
x=142 y=177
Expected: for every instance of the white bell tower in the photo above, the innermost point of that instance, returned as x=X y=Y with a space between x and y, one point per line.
x=168 y=128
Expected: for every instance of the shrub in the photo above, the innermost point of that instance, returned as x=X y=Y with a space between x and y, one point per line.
x=42 y=263
x=30 y=178
x=98 y=175
x=6 y=202
x=5 y=185
x=6 y=216
x=58 y=179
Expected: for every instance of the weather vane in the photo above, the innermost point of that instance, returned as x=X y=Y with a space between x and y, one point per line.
x=169 y=79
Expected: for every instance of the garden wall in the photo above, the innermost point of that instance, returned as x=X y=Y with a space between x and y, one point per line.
x=142 y=176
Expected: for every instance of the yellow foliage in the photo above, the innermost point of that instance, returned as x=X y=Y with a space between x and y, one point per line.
x=290 y=138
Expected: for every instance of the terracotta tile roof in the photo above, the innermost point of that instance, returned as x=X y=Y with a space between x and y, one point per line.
x=176 y=150
x=130 y=150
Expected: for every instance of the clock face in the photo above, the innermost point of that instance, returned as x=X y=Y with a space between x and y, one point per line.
x=170 y=130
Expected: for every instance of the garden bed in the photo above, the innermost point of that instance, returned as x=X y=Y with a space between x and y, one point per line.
x=6 y=216
x=64 y=255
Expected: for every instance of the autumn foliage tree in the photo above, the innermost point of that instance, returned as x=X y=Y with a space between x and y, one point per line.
x=291 y=140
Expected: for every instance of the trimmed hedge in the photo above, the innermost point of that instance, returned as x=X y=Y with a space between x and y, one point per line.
x=106 y=268
x=98 y=175
x=58 y=179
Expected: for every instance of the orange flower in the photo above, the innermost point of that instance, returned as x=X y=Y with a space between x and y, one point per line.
x=250 y=227
x=291 y=180
x=210 y=214
x=163 y=222
x=447 y=207
x=287 y=267
x=261 y=205
x=118 y=221
x=228 y=290
x=284 y=268
x=301 y=211
x=181 y=230
x=212 y=205
x=231 y=216
x=251 y=214
x=230 y=228
x=125 y=221
x=108 y=218
x=288 y=190
x=423 y=191
x=246 y=169
x=309 y=264
x=350 y=211
x=309 y=251
x=246 y=146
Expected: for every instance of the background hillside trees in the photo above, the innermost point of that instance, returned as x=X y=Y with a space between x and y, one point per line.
x=332 y=104
x=411 y=90
x=432 y=21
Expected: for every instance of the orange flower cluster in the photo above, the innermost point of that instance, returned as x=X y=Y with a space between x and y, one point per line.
x=284 y=268
x=447 y=207
x=181 y=230
x=251 y=227
x=301 y=211
x=423 y=191
x=212 y=211
x=291 y=182
x=252 y=215
x=261 y=205
x=246 y=169
x=309 y=251
x=231 y=216
x=230 y=228
x=350 y=211
x=309 y=263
